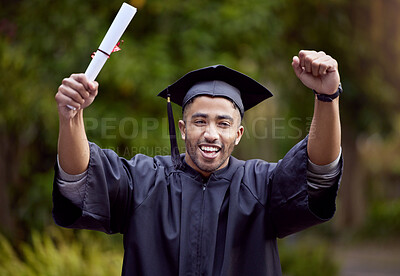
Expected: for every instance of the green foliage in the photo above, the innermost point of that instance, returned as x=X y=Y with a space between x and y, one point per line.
x=383 y=220
x=307 y=258
x=35 y=205
x=64 y=252
x=54 y=252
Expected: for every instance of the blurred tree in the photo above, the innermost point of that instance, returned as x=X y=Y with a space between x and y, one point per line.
x=372 y=106
x=34 y=39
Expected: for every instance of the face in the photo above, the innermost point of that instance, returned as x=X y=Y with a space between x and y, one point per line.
x=211 y=129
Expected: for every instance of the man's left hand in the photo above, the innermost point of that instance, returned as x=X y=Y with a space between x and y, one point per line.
x=317 y=71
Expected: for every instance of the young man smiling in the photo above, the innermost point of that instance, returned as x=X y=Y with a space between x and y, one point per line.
x=211 y=129
x=203 y=212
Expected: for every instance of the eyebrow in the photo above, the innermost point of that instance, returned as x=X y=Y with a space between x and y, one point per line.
x=199 y=114
x=225 y=117
x=219 y=117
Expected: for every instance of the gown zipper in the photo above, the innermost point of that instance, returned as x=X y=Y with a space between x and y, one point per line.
x=200 y=240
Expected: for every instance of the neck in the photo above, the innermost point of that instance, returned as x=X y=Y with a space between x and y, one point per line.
x=189 y=161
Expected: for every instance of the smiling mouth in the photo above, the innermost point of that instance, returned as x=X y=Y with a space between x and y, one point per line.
x=210 y=150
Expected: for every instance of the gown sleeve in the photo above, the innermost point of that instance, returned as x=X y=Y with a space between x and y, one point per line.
x=293 y=205
x=108 y=198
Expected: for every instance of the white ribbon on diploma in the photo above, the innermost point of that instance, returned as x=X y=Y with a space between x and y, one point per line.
x=114 y=33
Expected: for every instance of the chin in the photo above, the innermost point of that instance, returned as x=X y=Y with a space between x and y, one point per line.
x=210 y=168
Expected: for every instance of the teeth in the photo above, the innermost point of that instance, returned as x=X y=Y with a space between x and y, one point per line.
x=203 y=148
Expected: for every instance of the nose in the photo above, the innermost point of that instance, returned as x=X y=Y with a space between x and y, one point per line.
x=211 y=133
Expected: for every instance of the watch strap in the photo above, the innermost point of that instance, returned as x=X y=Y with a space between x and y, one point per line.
x=329 y=98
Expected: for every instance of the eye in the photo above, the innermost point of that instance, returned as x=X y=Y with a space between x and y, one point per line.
x=224 y=124
x=199 y=122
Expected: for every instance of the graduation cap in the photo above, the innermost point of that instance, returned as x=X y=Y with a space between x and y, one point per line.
x=214 y=81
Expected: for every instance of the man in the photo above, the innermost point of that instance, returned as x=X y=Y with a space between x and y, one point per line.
x=203 y=212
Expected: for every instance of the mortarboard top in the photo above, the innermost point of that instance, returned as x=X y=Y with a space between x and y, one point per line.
x=200 y=82
x=215 y=81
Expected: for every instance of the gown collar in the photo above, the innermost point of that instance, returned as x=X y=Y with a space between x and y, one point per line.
x=224 y=173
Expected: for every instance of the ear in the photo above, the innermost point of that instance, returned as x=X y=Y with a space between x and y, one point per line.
x=182 y=128
x=239 y=134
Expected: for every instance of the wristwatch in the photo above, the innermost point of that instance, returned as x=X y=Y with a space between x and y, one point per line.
x=329 y=98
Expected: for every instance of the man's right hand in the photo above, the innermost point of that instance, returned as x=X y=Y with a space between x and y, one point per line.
x=76 y=91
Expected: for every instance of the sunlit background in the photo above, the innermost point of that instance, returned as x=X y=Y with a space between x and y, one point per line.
x=43 y=41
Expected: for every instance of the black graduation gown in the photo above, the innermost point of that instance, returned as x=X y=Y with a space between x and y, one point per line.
x=176 y=224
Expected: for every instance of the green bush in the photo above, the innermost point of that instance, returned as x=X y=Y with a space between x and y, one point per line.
x=66 y=252
x=383 y=220
x=307 y=258
x=59 y=252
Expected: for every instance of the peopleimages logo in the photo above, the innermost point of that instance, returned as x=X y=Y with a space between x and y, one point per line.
x=258 y=128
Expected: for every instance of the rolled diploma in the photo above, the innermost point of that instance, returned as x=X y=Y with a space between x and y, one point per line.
x=114 y=33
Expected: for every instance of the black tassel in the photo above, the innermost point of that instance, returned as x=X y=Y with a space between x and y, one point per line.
x=175 y=156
